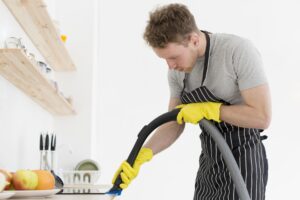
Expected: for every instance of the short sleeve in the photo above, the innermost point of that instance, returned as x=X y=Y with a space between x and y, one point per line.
x=175 y=88
x=248 y=66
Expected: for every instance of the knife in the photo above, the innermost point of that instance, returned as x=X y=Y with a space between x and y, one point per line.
x=41 y=150
x=46 y=152
x=52 y=148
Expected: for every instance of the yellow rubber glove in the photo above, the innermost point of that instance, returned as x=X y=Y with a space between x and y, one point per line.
x=128 y=173
x=194 y=112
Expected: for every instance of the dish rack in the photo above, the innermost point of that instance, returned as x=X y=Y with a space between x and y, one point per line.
x=79 y=177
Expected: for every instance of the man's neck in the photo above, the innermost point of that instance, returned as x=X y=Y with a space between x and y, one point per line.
x=202 y=47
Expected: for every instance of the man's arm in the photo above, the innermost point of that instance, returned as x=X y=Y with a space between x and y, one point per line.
x=254 y=113
x=166 y=134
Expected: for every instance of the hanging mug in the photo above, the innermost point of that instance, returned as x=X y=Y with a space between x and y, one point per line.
x=13 y=42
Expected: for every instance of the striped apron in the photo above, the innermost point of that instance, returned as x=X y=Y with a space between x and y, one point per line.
x=213 y=178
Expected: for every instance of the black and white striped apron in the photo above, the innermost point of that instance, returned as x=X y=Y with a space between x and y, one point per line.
x=213 y=178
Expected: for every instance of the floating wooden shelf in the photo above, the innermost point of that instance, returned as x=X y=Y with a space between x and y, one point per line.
x=24 y=73
x=33 y=16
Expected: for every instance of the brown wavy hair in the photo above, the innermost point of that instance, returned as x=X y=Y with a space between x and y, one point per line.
x=170 y=23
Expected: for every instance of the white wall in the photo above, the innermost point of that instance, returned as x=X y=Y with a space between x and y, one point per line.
x=133 y=90
x=77 y=21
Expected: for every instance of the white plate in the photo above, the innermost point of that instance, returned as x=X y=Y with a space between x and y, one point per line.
x=35 y=193
x=6 y=194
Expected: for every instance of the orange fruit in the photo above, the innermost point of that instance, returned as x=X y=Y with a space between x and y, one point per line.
x=46 y=180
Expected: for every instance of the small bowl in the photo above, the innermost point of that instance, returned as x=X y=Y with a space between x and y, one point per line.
x=88 y=165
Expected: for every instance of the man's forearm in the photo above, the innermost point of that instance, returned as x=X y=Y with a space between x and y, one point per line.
x=245 y=116
x=164 y=136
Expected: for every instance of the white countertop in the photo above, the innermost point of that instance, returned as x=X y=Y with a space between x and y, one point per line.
x=41 y=195
x=75 y=197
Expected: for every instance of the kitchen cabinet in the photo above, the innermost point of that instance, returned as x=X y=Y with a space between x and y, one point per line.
x=24 y=73
x=36 y=22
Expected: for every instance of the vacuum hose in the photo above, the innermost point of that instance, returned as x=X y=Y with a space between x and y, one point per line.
x=208 y=127
x=231 y=164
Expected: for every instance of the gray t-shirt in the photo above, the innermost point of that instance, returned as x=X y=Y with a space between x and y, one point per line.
x=234 y=65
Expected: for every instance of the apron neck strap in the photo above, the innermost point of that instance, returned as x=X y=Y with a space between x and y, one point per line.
x=206 y=56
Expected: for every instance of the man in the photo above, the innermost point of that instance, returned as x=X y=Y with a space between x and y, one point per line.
x=218 y=77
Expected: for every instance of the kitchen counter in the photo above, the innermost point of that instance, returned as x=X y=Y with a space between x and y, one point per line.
x=69 y=194
x=75 y=197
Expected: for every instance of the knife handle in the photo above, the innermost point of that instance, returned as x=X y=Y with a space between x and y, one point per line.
x=47 y=142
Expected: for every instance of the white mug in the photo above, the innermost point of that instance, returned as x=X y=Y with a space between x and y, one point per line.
x=13 y=42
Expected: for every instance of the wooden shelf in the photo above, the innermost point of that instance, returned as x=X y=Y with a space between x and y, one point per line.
x=24 y=73
x=33 y=16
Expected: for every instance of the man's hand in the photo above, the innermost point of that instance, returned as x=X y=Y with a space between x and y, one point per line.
x=127 y=172
x=194 y=112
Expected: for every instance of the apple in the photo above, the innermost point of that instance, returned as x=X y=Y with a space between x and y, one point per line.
x=10 y=187
x=8 y=176
x=25 y=180
x=3 y=182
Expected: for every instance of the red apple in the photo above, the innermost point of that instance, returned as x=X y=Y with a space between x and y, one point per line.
x=11 y=187
x=8 y=176
x=25 y=180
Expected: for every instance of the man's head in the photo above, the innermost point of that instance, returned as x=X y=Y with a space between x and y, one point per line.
x=173 y=34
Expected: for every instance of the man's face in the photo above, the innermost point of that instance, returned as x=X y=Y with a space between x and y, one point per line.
x=179 y=57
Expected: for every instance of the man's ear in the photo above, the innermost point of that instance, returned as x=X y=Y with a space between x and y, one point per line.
x=194 y=39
